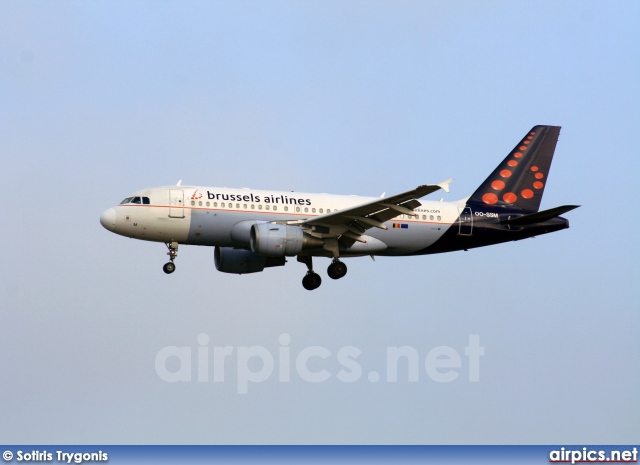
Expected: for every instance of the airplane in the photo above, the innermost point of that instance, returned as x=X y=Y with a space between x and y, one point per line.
x=256 y=229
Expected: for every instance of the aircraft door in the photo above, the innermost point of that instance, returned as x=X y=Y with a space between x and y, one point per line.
x=176 y=203
x=465 y=221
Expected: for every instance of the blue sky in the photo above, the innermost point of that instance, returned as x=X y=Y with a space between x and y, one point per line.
x=100 y=99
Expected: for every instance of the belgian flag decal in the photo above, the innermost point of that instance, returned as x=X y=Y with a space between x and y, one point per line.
x=400 y=226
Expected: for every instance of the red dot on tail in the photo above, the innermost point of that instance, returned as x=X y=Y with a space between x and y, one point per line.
x=534 y=168
x=522 y=147
x=498 y=185
x=532 y=133
x=510 y=197
x=505 y=173
x=526 y=142
x=512 y=163
x=529 y=137
x=537 y=185
x=539 y=175
x=518 y=154
x=527 y=193
x=490 y=198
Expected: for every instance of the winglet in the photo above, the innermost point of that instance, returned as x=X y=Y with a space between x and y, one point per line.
x=445 y=185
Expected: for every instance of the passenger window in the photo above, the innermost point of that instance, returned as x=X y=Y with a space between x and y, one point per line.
x=439 y=217
x=238 y=206
x=215 y=204
x=286 y=208
x=244 y=206
x=208 y=204
x=127 y=200
x=267 y=207
x=222 y=204
x=200 y=203
x=275 y=207
x=424 y=217
x=145 y=200
x=313 y=210
x=321 y=210
x=298 y=209
x=253 y=207
x=193 y=202
x=306 y=210
x=259 y=207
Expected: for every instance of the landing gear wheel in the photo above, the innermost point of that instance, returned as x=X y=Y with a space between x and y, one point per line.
x=311 y=281
x=337 y=270
x=169 y=268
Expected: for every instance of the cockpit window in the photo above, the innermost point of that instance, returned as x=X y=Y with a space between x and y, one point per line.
x=137 y=200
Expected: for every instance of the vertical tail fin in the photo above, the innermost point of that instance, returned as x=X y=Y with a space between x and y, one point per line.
x=521 y=177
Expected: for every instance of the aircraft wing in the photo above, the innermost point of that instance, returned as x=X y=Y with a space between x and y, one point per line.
x=349 y=224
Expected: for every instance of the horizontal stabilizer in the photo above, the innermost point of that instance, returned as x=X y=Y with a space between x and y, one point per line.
x=539 y=217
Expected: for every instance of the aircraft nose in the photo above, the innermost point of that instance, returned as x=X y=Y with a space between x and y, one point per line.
x=108 y=219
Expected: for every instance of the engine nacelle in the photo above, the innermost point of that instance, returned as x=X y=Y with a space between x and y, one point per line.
x=240 y=261
x=279 y=240
x=241 y=232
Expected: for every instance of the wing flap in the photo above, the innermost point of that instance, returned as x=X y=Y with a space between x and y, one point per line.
x=352 y=222
x=367 y=221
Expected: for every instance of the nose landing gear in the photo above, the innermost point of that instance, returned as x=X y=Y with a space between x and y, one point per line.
x=170 y=267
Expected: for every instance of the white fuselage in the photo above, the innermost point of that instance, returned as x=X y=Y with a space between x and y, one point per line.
x=207 y=215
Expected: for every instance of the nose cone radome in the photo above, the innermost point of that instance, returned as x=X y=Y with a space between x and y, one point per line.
x=108 y=219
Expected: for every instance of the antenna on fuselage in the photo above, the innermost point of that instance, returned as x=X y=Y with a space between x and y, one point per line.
x=179 y=182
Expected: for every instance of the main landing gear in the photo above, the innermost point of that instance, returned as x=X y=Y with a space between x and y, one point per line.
x=312 y=280
x=170 y=267
x=337 y=269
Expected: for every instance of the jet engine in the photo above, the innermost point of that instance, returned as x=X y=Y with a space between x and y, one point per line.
x=240 y=261
x=279 y=240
